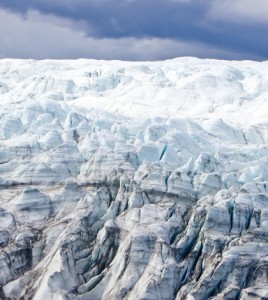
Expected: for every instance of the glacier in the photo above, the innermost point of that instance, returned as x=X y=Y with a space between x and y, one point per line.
x=133 y=180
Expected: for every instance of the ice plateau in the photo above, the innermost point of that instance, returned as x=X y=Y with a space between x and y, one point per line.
x=133 y=180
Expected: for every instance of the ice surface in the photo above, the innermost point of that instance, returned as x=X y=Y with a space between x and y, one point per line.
x=133 y=180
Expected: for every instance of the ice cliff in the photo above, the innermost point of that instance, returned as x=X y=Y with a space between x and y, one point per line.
x=123 y=180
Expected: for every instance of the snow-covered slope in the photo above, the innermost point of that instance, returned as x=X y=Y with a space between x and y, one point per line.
x=123 y=180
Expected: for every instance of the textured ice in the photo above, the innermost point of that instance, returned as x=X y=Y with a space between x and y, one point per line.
x=126 y=180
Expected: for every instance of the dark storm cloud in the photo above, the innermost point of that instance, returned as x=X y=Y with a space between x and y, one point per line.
x=122 y=18
x=214 y=23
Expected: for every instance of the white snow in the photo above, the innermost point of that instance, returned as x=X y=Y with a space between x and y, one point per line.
x=140 y=163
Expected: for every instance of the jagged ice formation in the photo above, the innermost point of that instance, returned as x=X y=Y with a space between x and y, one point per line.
x=124 y=180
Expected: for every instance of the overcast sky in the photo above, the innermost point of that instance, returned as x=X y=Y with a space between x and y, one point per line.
x=134 y=29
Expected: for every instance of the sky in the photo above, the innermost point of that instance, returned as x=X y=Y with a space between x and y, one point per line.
x=134 y=29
